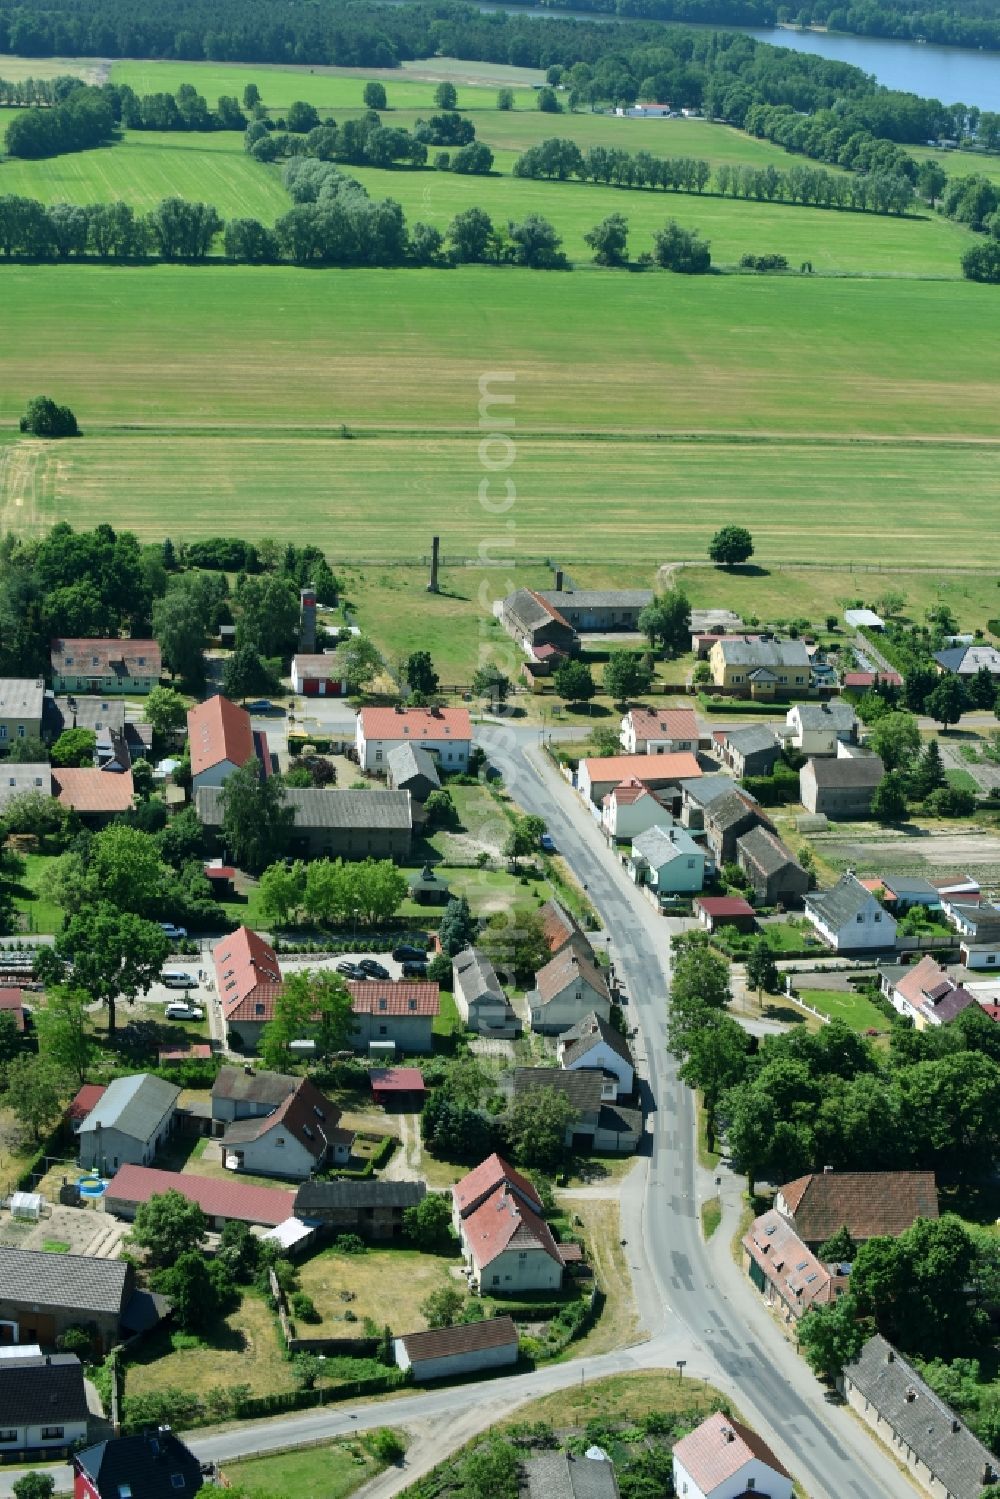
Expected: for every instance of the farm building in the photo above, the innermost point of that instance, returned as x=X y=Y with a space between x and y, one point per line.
x=330 y=823
x=372 y=1209
x=725 y=910
x=96 y=796
x=133 y=1118
x=750 y=752
x=869 y=1204
x=841 y=787
x=221 y=1201
x=448 y=1352
x=103 y=666
x=729 y=818
x=536 y=624
x=41 y=1295
x=774 y=873
x=398 y=1089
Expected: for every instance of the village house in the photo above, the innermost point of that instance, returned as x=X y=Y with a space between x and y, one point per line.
x=596 y=777
x=371 y=1209
x=925 y=993
x=42 y=1295
x=222 y=740
x=785 y=1272
x=153 y=1464
x=968 y=660
x=723 y=1459
x=867 y=1203
x=222 y=1202
x=698 y=795
x=702 y=641
x=729 y=818
x=659 y=731
x=753 y=751
x=247 y=981
x=815 y=729
x=668 y=861
x=849 y=918
x=12 y=1004
x=18 y=780
x=94 y=795
x=393 y=1017
x=102 y=666
x=566 y=989
x=760 y=668
x=959 y=888
x=935 y=1447
x=630 y=808
x=595 y=1046
x=446 y=733
x=479 y=996
x=597 y=611
x=451 y=1352
x=536 y=624
x=297 y=1138
x=979 y=929
x=320 y=675
x=248 y=1093
x=714 y=911
x=21 y=706
x=569 y=1475
x=560 y=928
x=842 y=787
x=776 y=877
x=508 y=1246
x=411 y=768
x=132 y=1120
x=331 y=823
x=604 y=1126
x=905 y=890
x=43 y=1404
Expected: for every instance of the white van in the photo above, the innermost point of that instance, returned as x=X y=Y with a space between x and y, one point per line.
x=175 y=979
x=175 y=1011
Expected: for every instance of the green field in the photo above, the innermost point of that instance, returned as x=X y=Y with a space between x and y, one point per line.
x=854 y=1009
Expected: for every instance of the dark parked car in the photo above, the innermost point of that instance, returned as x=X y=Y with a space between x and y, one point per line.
x=372 y=970
x=414 y=970
x=407 y=951
x=350 y=970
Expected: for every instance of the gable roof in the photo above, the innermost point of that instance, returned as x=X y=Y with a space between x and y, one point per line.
x=867 y=1203
x=405 y=761
x=558 y=926
x=85 y=1099
x=416 y=724
x=252 y=1086
x=16 y=779
x=141 y=1466
x=589 y=1033
x=708 y=789
x=659 y=846
x=748 y=650
x=652 y=770
x=563 y=1475
x=394 y=997
x=766 y=851
x=598 y=598
x=582 y=1086
x=664 y=723
x=795 y=1272
x=46 y=1390
x=717 y=1449
x=724 y=905
x=229 y=1198
x=504 y=1221
x=329 y=664
x=247 y=976
x=466 y=1337
x=320 y=1196
x=72 y=1281
x=133 y=1105
x=219 y=730
x=921 y=1420
x=967 y=660
x=80 y=657
x=843 y=902
x=324 y=807
x=928 y=988
x=87 y=789
x=306 y=1114
x=487 y=1178
x=846 y=771
x=573 y=964
x=476 y=976
x=834 y=714
x=730 y=810
x=533 y=609
x=751 y=741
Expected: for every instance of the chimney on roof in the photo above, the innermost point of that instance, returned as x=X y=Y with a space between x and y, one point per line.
x=559 y=580
x=432 y=586
x=827 y=1170
x=890 y=1357
x=307 y=618
x=956 y=1424
x=728 y=1434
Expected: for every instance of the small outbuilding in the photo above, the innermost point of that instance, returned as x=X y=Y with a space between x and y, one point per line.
x=400 y=1090
x=446 y=1352
x=724 y=910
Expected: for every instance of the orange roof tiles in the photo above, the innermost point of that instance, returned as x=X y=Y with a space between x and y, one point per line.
x=652 y=769
x=91 y=790
x=798 y=1277
x=485 y=1179
x=386 y=997
x=247 y=976
x=219 y=730
x=664 y=723
x=717 y=1449
x=504 y=1221
x=83 y=658
x=416 y=724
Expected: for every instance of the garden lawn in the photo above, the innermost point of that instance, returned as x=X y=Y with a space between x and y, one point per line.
x=331 y=1470
x=618 y=1325
x=961 y=780
x=246 y=1351
x=386 y=1285
x=625 y=1396
x=854 y=1009
x=38 y=914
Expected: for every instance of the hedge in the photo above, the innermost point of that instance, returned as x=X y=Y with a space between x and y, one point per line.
x=298 y=1400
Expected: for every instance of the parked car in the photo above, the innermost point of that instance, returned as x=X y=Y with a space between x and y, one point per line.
x=414 y=970
x=350 y=970
x=177 y=1011
x=373 y=970
x=547 y=843
x=409 y=951
x=173 y=931
x=263 y=705
x=175 y=979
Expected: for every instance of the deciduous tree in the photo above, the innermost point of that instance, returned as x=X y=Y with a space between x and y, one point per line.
x=169 y=1225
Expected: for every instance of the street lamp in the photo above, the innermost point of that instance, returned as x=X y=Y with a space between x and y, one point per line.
x=355 y=912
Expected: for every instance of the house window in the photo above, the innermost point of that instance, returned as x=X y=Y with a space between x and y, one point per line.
x=3 y=731
x=496 y=1280
x=21 y=731
x=177 y=1480
x=860 y=916
x=52 y=1433
x=878 y=916
x=280 y=1140
x=7 y=1434
x=751 y=1484
x=383 y=1030
x=378 y=754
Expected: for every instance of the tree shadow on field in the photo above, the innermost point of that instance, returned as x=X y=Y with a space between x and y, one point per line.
x=748 y=570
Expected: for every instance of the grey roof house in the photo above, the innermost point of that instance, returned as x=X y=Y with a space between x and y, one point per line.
x=41 y=1295
x=562 y=1475
x=727 y=819
x=598 y=1125
x=595 y=1046
x=841 y=787
x=750 y=752
x=129 y=1123
x=43 y=1403
x=479 y=995
x=409 y=767
x=850 y=918
x=969 y=660
x=346 y=824
x=775 y=875
x=568 y=987
x=919 y=1429
x=373 y=1209
x=697 y=796
x=18 y=780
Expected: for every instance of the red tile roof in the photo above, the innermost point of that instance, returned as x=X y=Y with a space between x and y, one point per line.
x=664 y=723
x=485 y=1179
x=397 y=1080
x=869 y=678
x=550 y=608
x=306 y=1113
x=415 y=724
x=219 y=730
x=90 y=790
x=385 y=997
x=139 y=658
x=219 y=871
x=716 y=1450
x=867 y=1203
x=558 y=925
x=627 y=792
x=466 y=1337
x=200 y=1052
x=88 y=1097
x=247 y=976
x=793 y=1270
x=724 y=905
x=652 y=769
x=504 y=1222
x=217 y=1198
x=12 y=1001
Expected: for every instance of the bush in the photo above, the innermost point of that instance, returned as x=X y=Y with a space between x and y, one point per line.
x=350 y=1244
x=304 y=1307
x=763 y=263
x=44 y=418
x=385 y=1444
